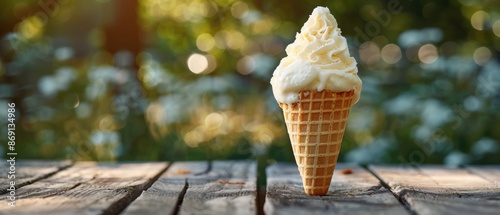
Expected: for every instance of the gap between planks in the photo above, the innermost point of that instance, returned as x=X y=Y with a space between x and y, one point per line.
x=87 y=188
x=205 y=175
x=183 y=192
x=220 y=187
x=180 y=199
x=118 y=206
x=398 y=197
x=29 y=172
x=430 y=189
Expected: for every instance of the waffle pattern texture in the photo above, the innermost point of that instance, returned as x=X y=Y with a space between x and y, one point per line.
x=316 y=125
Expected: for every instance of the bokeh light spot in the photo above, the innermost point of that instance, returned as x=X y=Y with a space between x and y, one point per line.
x=391 y=53
x=239 y=9
x=235 y=39
x=214 y=120
x=193 y=138
x=264 y=25
x=481 y=55
x=197 y=63
x=478 y=19
x=205 y=42
x=428 y=53
x=369 y=53
x=107 y=123
x=246 y=65
x=496 y=28
x=155 y=113
x=31 y=28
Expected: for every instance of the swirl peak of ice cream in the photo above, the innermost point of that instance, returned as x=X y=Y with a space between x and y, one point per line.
x=318 y=59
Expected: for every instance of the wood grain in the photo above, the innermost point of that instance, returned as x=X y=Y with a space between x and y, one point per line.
x=86 y=188
x=28 y=172
x=229 y=187
x=441 y=190
x=357 y=192
x=163 y=196
x=224 y=187
x=490 y=173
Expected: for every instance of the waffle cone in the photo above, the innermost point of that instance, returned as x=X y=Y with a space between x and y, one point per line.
x=316 y=125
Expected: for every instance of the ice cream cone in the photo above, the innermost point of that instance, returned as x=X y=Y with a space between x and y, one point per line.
x=316 y=126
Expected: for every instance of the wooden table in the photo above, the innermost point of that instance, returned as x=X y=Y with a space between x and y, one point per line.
x=229 y=187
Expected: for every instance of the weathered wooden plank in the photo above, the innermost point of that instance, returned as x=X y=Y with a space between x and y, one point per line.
x=227 y=188
x=27 y=172
x=490 y=173
x=224 y=187
x=163 y=196
x=441 y=190
x=458 y=179
x=357 y=192
x=86 y=188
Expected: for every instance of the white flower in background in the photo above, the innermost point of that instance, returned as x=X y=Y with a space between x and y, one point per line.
x=434 y=113
x=252 y=16
x=47 y=85
x=361 y=119
x=154 y=74
x=97 y=138
x=457 y=158
x=370 y=86
x=175 y=107
x=460 y=67
x=99 y=78
x=472 y=103
x=431 y=139
x=438 y=66
x=423 y=132
x=485 y=145
x=52 y=84
x=83 y=110
x=64 y=76
x=63 y=53
x=427 y=35
x=264 y=66
x=95 y=89
x=103 y=137
x=104 y=73
x=222 y=101
x=488 y=82
x=371 y=153
x=403 y=104
x=210 y=84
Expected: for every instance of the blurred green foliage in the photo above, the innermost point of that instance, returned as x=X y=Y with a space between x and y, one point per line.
x=198 y=85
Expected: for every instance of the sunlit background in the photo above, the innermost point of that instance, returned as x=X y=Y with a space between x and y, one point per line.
x=189 y=80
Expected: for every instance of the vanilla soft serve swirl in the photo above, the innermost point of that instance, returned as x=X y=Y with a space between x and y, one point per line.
x=318 y=59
